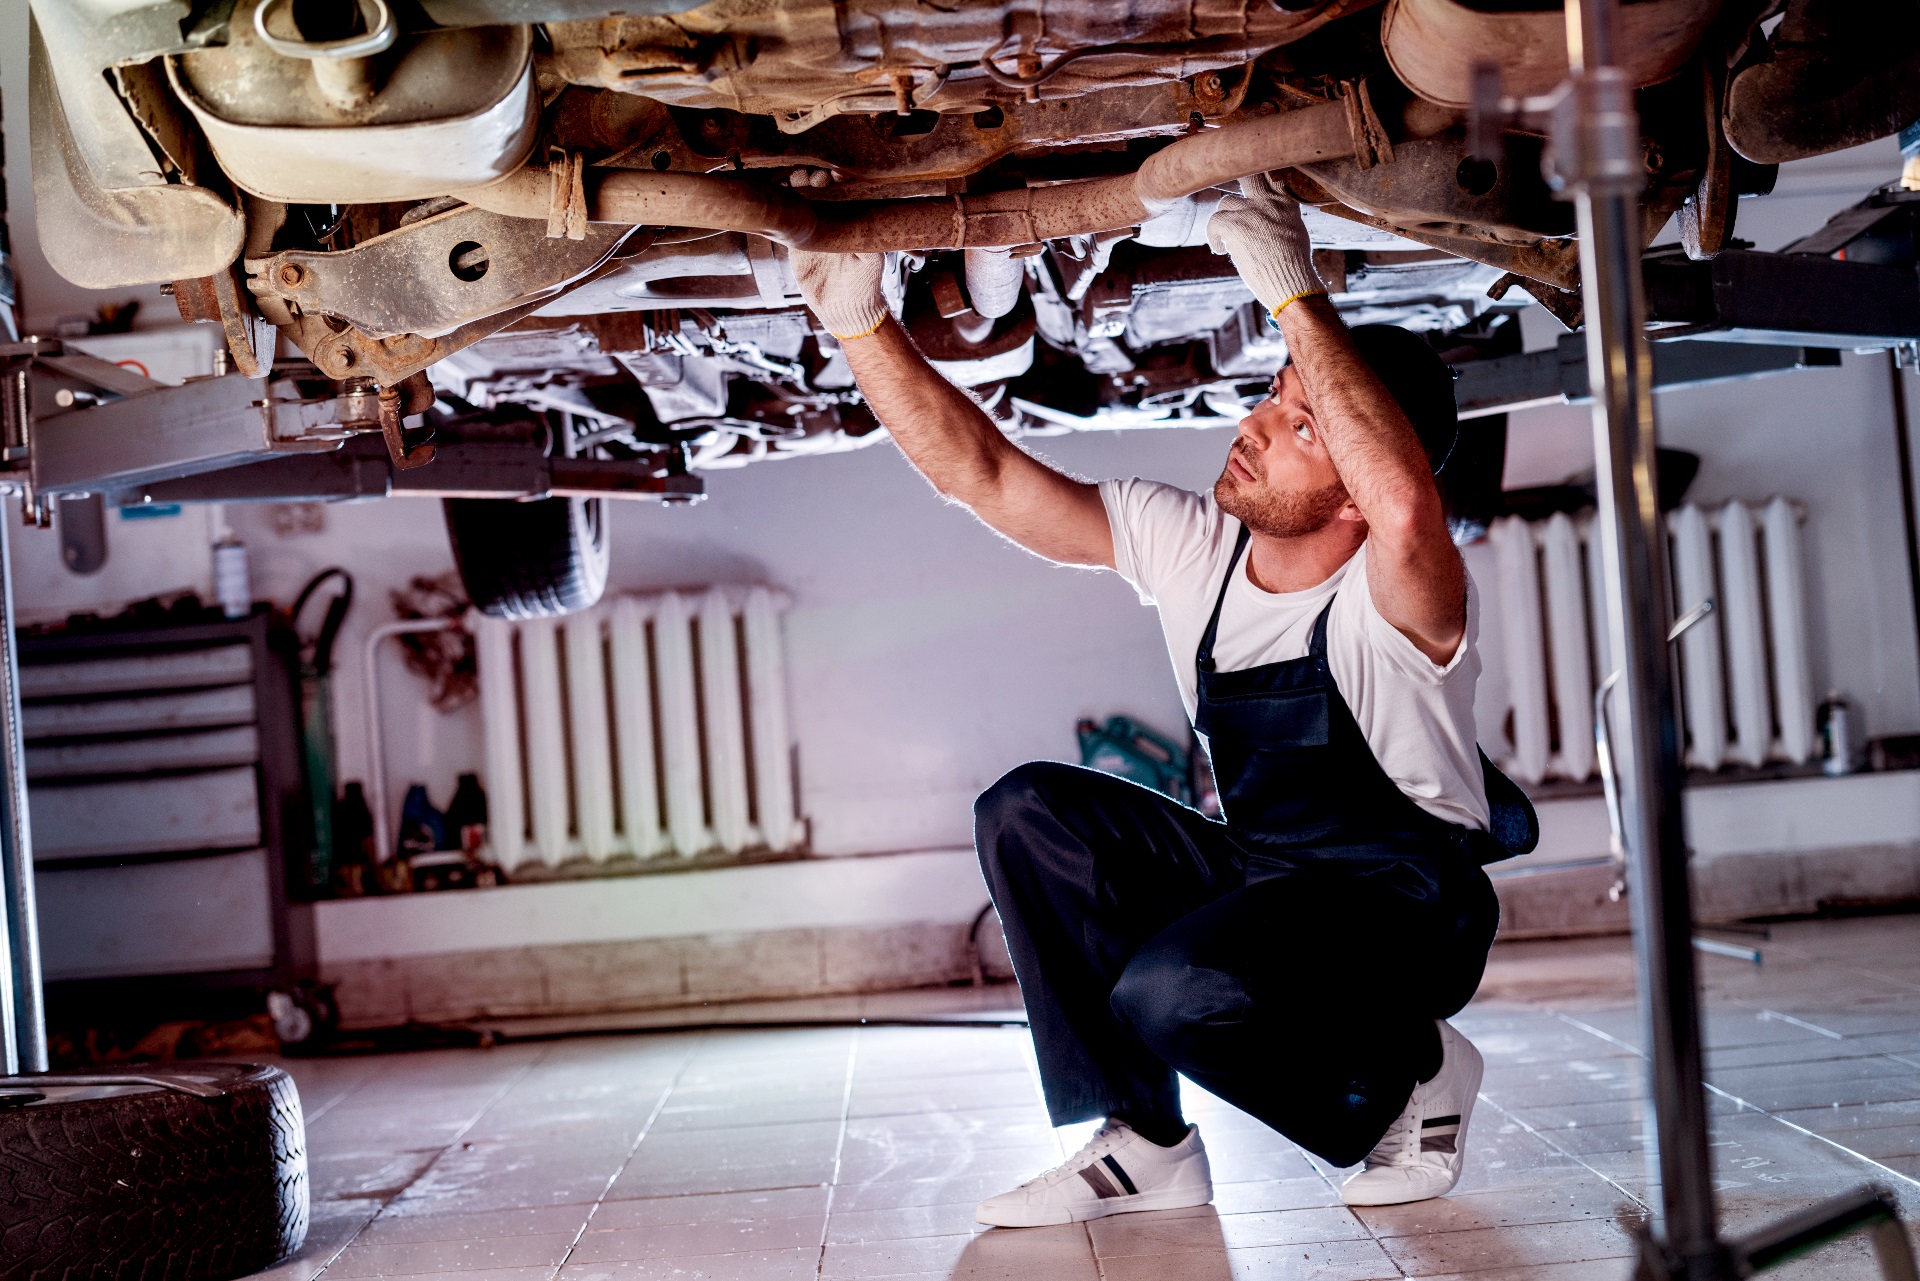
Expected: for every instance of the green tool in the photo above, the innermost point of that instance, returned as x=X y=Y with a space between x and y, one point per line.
x=316 y=721
x=1129 y=749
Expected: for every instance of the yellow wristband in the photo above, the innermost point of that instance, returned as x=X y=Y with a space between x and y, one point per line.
x=1304 y=293
x=871 y=329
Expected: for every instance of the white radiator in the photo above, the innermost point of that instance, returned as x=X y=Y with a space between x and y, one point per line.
x=648 y=726
x=1744 y=685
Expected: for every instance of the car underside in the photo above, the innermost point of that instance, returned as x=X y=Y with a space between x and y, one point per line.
x=563 y=214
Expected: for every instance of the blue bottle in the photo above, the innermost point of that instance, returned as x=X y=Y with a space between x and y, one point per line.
x=422 y=827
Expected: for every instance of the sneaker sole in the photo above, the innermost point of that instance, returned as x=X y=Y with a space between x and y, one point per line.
x=1360 y=1198
x=1041 y=1216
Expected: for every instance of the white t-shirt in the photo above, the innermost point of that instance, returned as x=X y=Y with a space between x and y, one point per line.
x=1174 y=546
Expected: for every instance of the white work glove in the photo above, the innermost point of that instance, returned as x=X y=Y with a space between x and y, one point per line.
x=842 y=289
x=1261 y=230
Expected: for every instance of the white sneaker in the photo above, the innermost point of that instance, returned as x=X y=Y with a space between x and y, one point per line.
x=1116 y=1172
x=1421 y=1155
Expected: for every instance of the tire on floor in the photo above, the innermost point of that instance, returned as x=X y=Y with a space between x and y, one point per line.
x=151 y=1182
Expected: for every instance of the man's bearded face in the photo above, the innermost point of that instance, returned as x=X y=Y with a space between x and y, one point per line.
x=1279 y=479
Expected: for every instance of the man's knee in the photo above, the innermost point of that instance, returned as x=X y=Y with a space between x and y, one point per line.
x=1167 y=999
x=1018 y=790
x=1014 y=800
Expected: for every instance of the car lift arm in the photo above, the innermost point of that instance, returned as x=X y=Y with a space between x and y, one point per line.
x=75 y=425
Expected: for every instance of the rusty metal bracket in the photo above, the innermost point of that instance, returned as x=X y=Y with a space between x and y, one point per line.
x=432 y=276
x=348 y=353
x=1706 y=220
x=567 y=195
x=404 y=456
x=221 y=299
x=342 y=351
x=1564 y=304
x=1371 y=145
x=1552 y=260
x=949 y=297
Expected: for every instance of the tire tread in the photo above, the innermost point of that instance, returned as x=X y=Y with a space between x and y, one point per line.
x=525 y=560
x=161 y=1186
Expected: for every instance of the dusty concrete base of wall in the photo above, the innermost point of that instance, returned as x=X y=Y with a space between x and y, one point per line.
x=646 y=974
x=1548 y=904
x=1566 y=904
x=1560 y=972
x=1739 y=885
x=660 y=974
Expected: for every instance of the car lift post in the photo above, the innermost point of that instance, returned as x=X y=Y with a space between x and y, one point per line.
x=23 y=1024
x=1596 y=154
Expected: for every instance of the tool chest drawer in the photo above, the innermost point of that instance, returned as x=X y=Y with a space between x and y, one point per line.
x=152 y=918
x=160 y=764
x=145 y=714
x=193 y=811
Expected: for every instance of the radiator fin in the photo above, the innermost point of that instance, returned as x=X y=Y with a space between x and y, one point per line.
x=1745 y=693
x=650 y=726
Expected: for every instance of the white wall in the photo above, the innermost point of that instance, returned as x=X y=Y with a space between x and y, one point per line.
x=926 y=655
x=161 y=555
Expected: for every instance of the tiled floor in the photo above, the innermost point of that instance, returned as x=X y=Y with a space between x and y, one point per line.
x=858 y=1153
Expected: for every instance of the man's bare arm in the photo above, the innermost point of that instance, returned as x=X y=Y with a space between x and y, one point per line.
x=958 y=448
x=1418 y=581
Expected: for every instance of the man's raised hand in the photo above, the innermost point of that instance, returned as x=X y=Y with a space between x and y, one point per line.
x=843 y=290
x=1261 y=230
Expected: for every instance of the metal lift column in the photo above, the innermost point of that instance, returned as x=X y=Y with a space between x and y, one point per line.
x=23 y=1025
x=1596 y=141
x=1596 y=154
x=23 y=1029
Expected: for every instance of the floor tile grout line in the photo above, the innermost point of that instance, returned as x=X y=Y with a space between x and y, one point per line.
x=1327 y=1178
x=1768 y=1014
x=1574 y=1157
x=1861 y=1157
x=334 y=1102
x=839 y=1151
x=646 y=1128
x=505 y=1089
x=1800 y=954
x=1815 y=1134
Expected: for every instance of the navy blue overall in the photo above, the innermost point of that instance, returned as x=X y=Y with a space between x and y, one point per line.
x=1291 y=960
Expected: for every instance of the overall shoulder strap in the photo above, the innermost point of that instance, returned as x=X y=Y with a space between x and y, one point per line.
x=1203 y=658
x=1317 y=645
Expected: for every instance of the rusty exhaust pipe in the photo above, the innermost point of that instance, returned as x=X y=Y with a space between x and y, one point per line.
x=1325 y=131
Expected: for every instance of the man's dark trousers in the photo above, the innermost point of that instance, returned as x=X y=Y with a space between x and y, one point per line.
x=1300 y=987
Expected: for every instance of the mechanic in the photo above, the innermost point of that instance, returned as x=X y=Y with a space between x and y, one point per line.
x=1298 y=959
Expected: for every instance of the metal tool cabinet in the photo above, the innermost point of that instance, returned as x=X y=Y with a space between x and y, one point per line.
x=167 y=801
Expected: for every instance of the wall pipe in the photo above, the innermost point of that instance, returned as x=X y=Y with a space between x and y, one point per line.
x=998 y=219
x=376 y=744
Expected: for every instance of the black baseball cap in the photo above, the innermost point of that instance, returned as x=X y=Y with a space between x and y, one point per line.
x=1419 y=382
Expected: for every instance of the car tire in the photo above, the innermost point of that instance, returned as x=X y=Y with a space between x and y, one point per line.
x=536 y=559
x=148 y=1180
